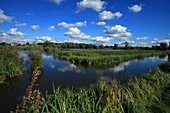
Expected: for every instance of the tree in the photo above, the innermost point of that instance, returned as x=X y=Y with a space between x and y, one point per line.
x=3 y=44
x=115 y=46
x=163 y=46
x=27 y=43
x=101 y=46
x=126 y=45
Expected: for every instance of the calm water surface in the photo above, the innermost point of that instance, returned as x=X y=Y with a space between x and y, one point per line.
x=62 y=73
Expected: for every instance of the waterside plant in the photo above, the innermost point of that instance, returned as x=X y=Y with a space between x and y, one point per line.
x=104 y=58
x=148 y=94
x=35 y=59
x=10 y=64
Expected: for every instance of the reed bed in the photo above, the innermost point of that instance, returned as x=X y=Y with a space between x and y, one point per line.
x=35 y=59
x=10 y=64
x=104 y=58
x=148 y=94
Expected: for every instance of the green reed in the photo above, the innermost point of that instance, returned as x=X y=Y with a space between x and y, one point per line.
x=148 y=94
x=103 y=58
x=35 y=59
x=10 y=64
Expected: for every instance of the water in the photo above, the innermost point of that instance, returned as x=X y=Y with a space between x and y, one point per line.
x=62 y=73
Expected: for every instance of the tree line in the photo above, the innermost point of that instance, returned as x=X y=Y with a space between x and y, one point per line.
x=161 y=46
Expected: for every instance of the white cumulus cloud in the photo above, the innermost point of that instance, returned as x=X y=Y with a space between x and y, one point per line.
x=51 y=28
x=68 y=25
x=14 y=32
x=20 y=24
x=142 y=38
x=57 y=1
x=165 y=41
x=101 y=39
x=35 y=27
x=96 y=5
x=107 y=15
x=128 y=41
x=101 y=23
x=155 y=39
x=74 y=32
x=42 y=39
x=118 y=32
x=4 y=17
x=135 y=8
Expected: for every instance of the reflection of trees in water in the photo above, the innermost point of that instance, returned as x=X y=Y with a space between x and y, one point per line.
x=163 y=56
x=166 y=67
x=9 y=85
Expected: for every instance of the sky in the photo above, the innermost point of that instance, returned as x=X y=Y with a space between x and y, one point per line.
x=107 y=22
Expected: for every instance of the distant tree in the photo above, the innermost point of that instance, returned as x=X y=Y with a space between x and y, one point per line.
x=101 y=46
x=27 y=43
x=126 y=45
x=163 y=46
x=95 y=46
x=115 y=46
x=64 y=45
x=49 y=44
x=3 y=44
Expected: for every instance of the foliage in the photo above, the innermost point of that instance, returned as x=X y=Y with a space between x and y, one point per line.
x=35 y=59
x=115 y=46
x=163 y=46
x=126 y=45
x=148 y=94
x=10 y=64
x=103 y=58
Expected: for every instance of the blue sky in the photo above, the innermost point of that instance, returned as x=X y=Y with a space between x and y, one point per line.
x=139 y=22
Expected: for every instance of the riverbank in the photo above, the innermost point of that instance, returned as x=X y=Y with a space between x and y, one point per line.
x=104 y=58
x=10 y=64
x=149 y=93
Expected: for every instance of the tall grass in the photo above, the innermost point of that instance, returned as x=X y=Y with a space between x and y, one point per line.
x=35 y=59
x=103 y=58
x=148 y=94
x=10 y=64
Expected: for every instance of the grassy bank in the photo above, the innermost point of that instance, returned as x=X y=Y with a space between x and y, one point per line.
x=35 y=59
x=149 y=94
x=10 y=64
x=103 y=58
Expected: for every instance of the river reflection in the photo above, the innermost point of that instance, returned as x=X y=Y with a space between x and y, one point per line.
x=62 y=73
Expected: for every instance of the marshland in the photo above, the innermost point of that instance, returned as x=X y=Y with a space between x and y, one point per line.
x=84 y=56
x=87 y=80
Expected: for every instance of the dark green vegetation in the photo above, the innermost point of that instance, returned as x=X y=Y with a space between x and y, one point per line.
x=166 y=67
x=149 y=94
x=35 y=60
x=10 y=64
x=51 y=47
x=104 y=58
